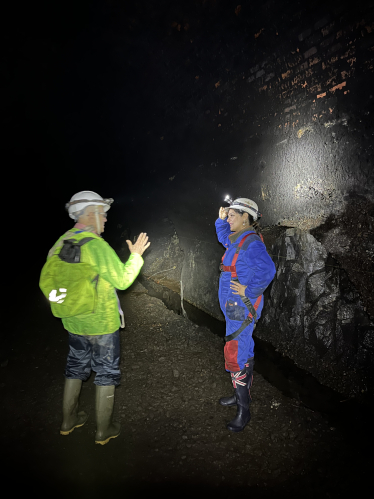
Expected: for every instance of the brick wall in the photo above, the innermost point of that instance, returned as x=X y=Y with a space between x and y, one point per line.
x=303 y=63
x=323 y=60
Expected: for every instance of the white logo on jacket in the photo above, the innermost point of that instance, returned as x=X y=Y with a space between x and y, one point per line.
x=60 y=298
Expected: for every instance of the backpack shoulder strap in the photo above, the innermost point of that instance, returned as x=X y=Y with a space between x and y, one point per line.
x=71 y=250
x=82 y=241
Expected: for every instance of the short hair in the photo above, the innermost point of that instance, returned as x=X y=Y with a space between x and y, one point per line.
x=81 y=213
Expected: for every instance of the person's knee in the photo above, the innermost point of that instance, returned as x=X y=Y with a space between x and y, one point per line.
x=108 y=379
x=106 y=360
x=78 y=368
x=77 y=374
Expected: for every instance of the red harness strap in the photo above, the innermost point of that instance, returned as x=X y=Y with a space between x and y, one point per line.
x=255 y=306
x=232 y=268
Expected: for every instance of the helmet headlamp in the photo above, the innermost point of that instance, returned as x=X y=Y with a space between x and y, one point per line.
x=244 y=204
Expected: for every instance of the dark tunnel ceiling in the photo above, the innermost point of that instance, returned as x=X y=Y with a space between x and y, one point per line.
x=117 y=94
x=100 y=83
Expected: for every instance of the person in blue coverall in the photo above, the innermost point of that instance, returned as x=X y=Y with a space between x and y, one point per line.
x=246 y=271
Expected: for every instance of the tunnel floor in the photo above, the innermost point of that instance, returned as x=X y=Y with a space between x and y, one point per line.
x=173 y=439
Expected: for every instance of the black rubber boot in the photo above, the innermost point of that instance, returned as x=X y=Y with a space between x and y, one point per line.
x=228 y=401
x=240 y=382
x=71 y=417
x=249 y=370
x=231 y=401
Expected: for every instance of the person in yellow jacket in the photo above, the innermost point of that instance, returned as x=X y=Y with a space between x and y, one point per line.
x=94 y=341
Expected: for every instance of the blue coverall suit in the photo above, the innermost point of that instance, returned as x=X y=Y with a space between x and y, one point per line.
x=255 y=269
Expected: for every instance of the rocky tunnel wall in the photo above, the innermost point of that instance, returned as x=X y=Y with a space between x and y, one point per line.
x=273 y=102
x=168 y=106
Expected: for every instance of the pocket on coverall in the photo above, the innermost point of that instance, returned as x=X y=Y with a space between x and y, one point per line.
x=235 y=310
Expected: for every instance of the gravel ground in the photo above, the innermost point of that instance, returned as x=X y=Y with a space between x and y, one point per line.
x=173 y=439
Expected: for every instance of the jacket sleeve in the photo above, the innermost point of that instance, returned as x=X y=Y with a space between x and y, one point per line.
x=223 y=231
x=262 y=269
x=109 y=267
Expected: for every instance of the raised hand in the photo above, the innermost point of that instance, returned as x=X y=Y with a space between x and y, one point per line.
x=223 y=213
x=140 y=245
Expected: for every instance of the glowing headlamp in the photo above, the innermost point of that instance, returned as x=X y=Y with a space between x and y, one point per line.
x=244 y=206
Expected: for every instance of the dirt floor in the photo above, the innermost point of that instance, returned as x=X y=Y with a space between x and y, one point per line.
x=173 y=439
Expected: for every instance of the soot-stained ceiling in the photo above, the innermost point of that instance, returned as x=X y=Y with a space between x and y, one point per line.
x=173 y=104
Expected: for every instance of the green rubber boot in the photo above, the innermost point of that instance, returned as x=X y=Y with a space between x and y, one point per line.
x=105 y=428
x=71 y=417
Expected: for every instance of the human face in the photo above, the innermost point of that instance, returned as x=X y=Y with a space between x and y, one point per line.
x=235 y=220
x=102 y=218
x=96 y=221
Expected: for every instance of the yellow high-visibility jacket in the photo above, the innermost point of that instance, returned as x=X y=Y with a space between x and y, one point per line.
x=113 y=274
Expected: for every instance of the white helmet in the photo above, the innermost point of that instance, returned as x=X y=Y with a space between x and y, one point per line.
x=247 y=205
x=86 y=198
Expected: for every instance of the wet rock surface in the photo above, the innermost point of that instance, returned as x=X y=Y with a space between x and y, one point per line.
x=165 y=259
x=318 y=310
x=315 y=315
x=173 y=438
x=349 y=238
